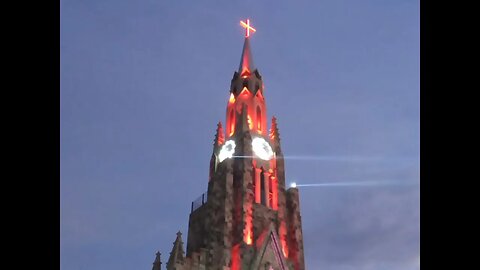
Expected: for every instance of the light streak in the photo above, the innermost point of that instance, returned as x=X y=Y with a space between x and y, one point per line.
x=351 y=158
x=347 y=158
x=358 y=183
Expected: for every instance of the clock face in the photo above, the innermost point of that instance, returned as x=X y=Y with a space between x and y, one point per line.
x=262 y=148
x=227 y=150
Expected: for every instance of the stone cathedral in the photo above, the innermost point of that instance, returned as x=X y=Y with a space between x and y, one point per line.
x=247 y=219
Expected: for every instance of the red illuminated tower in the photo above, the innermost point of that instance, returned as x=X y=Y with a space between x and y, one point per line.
x=247 y=219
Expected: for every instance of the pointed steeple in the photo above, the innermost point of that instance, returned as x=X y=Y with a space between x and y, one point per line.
x=246 y=62
x=247 y=74
x=177 y=256
x=157 y=264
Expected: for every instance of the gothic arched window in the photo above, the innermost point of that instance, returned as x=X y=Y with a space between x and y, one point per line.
x=259 y=119
x=263 y=200
x=232 y=121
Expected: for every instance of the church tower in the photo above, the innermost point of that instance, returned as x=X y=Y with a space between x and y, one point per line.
x=247 y=219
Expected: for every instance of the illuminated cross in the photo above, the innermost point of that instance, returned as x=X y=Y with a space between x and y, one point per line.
x=247 y=27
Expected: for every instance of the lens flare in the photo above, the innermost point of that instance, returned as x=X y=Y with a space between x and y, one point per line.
x=348 y=158
x=358 y=183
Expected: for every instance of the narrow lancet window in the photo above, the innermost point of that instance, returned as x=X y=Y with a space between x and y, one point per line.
x=259 y=119
x=232 y=121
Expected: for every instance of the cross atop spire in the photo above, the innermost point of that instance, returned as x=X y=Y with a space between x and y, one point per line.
x=247 y=27
x=246 y=64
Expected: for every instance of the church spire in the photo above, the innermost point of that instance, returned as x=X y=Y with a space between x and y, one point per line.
x=247 y=220
x=246 y=62
x=177 y=255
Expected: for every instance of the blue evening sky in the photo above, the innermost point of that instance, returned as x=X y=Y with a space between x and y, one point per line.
x=144 y=83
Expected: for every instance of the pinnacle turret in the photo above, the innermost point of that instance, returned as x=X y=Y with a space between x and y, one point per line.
x=177 y=256
x=157 y=264
x=274 y=134
x=219 y=135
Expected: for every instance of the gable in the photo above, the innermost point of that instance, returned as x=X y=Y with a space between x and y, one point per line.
x=269 y=255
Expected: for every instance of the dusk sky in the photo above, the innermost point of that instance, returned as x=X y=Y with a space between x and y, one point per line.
x=144 y=83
